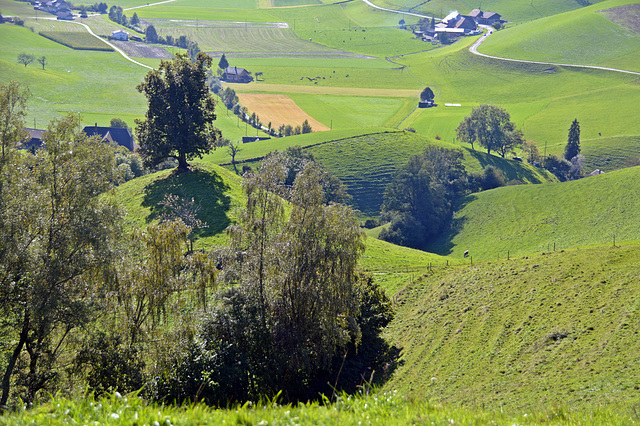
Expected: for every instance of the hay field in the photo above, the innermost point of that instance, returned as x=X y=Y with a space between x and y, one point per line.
x=278 y=109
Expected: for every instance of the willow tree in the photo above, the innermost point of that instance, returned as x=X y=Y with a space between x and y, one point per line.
x=180 y=115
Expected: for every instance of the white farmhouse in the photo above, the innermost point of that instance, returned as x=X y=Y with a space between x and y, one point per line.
x=120 y=35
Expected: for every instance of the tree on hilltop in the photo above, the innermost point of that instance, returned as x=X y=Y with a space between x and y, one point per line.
x=179 y=119
x=492 y=128
x=573 y=141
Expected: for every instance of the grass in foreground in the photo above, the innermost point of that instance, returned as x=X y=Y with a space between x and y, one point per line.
x=558 y=329
x=376 y=409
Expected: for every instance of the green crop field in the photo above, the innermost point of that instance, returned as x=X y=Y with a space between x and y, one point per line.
x=76 y=40
x=533 y=218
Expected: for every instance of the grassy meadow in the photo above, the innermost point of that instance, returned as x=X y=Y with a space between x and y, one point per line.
x=551 y=330
x=536 y=218
x=548 y=336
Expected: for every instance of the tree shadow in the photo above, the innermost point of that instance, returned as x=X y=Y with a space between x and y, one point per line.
x=443 y=245
x=511 y=169
x=206 y=188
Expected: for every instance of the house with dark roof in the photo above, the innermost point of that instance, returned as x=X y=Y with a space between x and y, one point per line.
x=237 y=75
x=485 y=18
x=456 y=24
x=120 y=135
x=34 y=140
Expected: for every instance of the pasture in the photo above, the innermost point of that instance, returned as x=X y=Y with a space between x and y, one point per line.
x=585 y=36
x=524 y=334
x=534 y=218
x=73 y=81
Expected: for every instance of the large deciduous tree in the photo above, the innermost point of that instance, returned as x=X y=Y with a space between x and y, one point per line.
x=179 y=120
x=419 y=200
x=573 y=141
x=492 y=128
x=25 y=59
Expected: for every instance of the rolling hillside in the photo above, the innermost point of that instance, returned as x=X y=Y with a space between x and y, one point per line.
x=528 y=219
x=559 y=329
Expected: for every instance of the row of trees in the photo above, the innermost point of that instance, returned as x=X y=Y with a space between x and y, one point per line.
x=25 y=59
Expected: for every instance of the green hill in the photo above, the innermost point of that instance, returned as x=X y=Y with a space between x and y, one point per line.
x=366 y=163
x=527 y=219
x=218 y=191
x=548 y=330
x=586 y=36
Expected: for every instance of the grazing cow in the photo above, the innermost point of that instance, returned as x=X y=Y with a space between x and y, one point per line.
x=466 y=253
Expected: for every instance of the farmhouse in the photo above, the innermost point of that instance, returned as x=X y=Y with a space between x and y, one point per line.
x=34 y=140
x=485 y=18
x=457 y=24
x=237 y=75
x=120 y=35
x=119 y=135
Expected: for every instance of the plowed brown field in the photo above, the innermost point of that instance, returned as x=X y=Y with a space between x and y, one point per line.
x=278 y=109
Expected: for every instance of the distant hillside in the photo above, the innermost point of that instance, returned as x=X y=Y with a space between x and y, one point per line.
x=530 y=219
x=366 y=164
x=548 y=330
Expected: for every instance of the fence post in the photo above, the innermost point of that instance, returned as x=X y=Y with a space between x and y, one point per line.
x=554 y=246
x=508 y=255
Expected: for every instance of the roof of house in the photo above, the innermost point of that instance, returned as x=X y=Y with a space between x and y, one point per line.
x=119 y=32
x=236 y=71
x=120 y=135
x=477 y=13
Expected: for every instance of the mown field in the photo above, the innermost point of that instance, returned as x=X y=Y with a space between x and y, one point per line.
x=76 y=40
x=532 y=219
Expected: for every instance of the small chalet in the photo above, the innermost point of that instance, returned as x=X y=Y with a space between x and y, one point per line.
x=119 y=135
x=237 y=75
x=34 y=140
x=120 y=35
x=485 y=18
x=457 y=24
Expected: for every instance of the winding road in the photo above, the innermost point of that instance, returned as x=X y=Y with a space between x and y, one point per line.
x=474 y=48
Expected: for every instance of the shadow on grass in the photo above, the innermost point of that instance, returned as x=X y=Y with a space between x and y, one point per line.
x=206 y=188
x=511 y=169
x=443 y=245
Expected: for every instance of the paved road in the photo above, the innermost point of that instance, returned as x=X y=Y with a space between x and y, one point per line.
x=397 y=11
x=474 y=48
x=116 y=48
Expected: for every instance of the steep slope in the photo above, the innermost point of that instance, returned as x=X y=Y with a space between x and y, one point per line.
x=553 y=330
x=525 y=219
